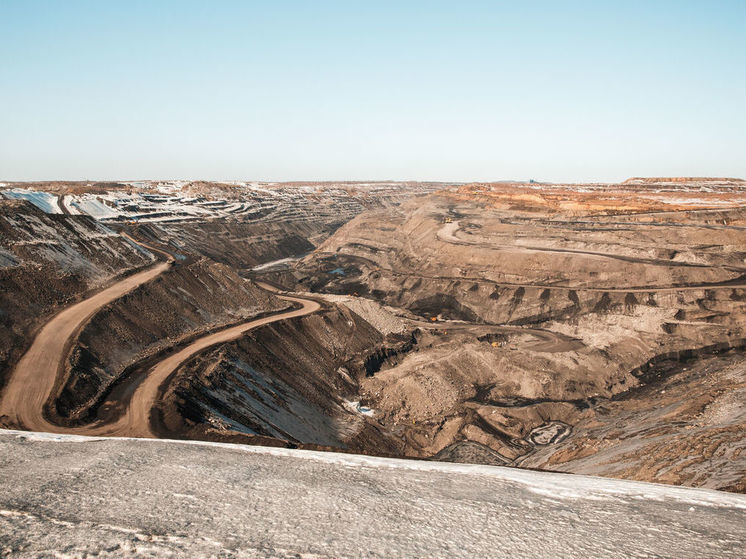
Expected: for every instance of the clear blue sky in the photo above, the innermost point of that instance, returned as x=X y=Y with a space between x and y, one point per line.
x=460 y=90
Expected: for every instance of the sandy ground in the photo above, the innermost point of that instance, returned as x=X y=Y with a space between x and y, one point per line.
x=72 y=496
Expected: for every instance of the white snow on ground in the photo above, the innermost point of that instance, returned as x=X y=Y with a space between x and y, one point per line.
x=111 y=497
x=100 y=231
x=42 y=240
x=94 y=207
x=275 y=263
x=41 y=231
x=149 y=207
x=258 y=188
x=543 y=483
x=70 y=204
x=42 y=200
x=357 y=408
x=7 y=259
x=164 y=201
x=171 y=187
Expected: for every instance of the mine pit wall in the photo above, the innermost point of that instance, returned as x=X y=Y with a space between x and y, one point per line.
x=288 y=380
x=684 y=428
x=50 y=261
x=484 y=301
x=184 y=302
x=389 y=354
x=564 y=309
x=241 y=244
x=709 y=217
x=651 y=371
x=715 y=318
x=621 y=333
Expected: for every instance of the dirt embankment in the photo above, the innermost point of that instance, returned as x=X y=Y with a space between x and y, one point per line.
x=32 y=381
x=182 y=303
x=296 y=381
x=685 y=427
x=239 y=244
x=46 y=262
x=630 y=293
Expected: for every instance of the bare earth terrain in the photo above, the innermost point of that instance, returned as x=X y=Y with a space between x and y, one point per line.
x=595 y=329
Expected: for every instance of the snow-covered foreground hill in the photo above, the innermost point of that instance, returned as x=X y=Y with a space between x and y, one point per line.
x=64 y=496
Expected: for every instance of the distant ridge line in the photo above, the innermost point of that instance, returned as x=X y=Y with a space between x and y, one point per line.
x=653 y=180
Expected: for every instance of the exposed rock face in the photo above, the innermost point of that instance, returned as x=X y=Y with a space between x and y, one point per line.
x=685 y=427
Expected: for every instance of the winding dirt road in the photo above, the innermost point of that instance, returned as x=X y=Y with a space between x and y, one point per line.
x=33 y=380
x=447 y=234
x=737 y=283
x=136 y=420
x=547 y=340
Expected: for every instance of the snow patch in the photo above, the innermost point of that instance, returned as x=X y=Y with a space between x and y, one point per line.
x=357 y=408
x=43 y=200
x=546 y=484
x=276 y=263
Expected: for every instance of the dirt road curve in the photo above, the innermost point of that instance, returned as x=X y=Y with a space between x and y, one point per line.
x=548 y=341
x=147 y=246
x=136 y=420
x=447 y=234
x=33 y=380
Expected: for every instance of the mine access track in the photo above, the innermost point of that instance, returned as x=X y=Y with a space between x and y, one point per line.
x=32 y=382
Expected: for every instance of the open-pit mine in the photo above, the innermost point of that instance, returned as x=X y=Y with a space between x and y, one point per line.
x=581 y=328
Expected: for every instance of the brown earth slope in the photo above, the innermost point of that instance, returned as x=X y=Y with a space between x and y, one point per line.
x=642 y=297
x=46 y=261
x=587 y=328
x=206 y=296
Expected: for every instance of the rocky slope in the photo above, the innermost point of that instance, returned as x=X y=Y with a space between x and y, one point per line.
x=686 y=428
x=238 y=244
x=205 y=296
x=48 y=260
x=295 y=381
x=542 y=312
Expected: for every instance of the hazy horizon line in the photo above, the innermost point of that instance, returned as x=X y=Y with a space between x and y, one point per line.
x=375 y=180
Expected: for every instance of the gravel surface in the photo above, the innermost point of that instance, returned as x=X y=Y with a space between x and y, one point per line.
x=70 y=496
